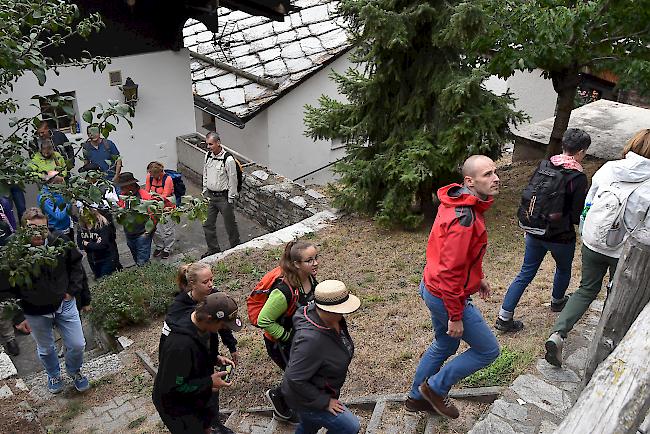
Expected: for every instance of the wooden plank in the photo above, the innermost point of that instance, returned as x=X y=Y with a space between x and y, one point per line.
x=616 y=400
x=375 y=419
x=233 y=420
x=270 y=429
x=146 y=361
x=630 y=293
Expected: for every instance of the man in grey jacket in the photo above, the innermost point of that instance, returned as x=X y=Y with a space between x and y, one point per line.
x=220 y=188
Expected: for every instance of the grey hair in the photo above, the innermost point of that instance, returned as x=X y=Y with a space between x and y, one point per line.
x=213 y=135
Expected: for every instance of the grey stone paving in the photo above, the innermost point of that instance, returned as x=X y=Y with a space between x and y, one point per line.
x=536 y=402
x=120 y=414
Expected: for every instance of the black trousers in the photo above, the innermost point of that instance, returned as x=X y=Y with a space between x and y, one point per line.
x=278 y=352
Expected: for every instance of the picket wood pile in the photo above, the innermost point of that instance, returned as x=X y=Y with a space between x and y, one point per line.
x=616 y=397
x=266 y=197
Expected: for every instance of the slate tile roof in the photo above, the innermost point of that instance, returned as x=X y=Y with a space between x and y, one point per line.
x=285 y=52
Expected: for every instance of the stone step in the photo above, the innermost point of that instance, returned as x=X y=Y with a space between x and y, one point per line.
x=393 y=418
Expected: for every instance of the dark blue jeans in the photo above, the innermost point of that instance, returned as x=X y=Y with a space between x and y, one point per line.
x=102 y=267
x=534 y=255
x=140 y=247
x=313 y=420
x=18 y=196
x=483 y=348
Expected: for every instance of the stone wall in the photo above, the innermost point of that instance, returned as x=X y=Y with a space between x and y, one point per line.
x=271 y=199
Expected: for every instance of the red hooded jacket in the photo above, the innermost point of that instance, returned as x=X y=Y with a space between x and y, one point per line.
x=456 y=247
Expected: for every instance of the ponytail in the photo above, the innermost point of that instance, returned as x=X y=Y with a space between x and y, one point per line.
x=181 y=277
x=292 y=252
x=186 y=274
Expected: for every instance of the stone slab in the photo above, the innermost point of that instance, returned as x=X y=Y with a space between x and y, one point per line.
x=125 y=342
x=547 y=427
x=492 y=424
x=313 y=193
x=610 y=124
x=5 y=392
x=260 y=174
x=299 y=201
x=20 y=385
x=556 y=375
x=541 y=394
x=7 y=368
x=578 y=359
x=509 y=410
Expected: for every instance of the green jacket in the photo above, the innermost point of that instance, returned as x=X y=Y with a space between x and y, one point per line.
x=41 y=165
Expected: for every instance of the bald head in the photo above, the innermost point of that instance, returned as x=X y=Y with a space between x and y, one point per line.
x=474 y=162
x=480 y=176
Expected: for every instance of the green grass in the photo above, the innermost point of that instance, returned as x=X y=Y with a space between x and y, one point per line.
x=73 y=409
x=503 y=370
x=137 y=422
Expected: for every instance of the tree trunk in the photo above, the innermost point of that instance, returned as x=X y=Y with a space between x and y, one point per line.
x=630 y=293
x=616 y=400
x=565 y=84
x=425 y=196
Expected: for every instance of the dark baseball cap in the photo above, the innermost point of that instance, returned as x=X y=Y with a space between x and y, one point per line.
x=222 y=307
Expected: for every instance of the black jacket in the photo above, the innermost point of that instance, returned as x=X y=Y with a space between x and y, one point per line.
x=183 y=384
x=574 y=201
x=318 y=364
x=97 y=251
x=50 y=286
x=178 y=313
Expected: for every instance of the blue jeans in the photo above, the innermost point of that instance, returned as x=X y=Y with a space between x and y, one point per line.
x=533 y=256
x=483 y=348
x=103 y=267
x=66 y=319
x=18 y=196
x=313 y=420
x=140 y=248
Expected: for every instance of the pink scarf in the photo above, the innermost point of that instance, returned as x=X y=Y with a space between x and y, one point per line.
x=566 y=161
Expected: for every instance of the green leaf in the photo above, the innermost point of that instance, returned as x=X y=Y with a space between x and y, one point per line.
x=149 y=226
x=87 y=116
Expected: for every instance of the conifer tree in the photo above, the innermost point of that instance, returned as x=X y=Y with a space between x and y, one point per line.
x=416 y=107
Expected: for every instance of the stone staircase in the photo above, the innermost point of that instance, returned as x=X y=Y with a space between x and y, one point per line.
x=383 y=414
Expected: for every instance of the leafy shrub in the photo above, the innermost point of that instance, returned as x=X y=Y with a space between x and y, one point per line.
x=133 y=296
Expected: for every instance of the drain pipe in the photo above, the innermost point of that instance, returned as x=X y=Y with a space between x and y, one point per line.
x=232 y=69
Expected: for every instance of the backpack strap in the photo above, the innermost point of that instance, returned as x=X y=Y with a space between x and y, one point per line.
x=290 y=294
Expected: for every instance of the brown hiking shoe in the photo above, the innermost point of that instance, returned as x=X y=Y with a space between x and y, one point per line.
x=418 y=405
x=442 y=405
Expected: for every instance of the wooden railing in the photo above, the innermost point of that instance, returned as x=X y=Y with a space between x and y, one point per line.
x=616 y=398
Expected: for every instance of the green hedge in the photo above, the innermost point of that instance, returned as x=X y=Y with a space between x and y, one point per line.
x=133 y=296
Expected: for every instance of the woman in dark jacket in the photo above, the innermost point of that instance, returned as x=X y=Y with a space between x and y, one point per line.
x=320 y=355
x=195 y=284
x=186 y=379
x=299 y=265
x=95 y=238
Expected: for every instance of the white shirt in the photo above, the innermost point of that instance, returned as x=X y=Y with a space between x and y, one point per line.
x=220 y=175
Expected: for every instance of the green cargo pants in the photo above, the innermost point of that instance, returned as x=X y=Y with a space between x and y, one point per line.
x=594 y=267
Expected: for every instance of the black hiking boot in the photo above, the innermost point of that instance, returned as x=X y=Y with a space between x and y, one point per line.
x=557 y=307
x=280 y=409
x=509 y=326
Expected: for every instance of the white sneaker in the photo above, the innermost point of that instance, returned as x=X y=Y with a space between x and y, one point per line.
x=554 y=346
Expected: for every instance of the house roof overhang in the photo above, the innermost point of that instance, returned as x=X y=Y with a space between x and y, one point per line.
x=141 y=26
x=218 y=112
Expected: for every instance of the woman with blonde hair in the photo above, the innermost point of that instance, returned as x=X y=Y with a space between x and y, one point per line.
x=620 y=191
x=195 y=283
x=95 y=237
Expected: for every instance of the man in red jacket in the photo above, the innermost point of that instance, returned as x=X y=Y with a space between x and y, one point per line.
x=454 y=271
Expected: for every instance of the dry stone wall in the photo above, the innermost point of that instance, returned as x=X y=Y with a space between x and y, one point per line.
x=271 y=199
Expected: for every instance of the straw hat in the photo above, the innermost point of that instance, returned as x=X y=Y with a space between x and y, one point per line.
x=333 y=296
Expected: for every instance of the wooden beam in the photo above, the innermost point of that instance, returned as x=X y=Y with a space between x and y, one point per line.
x=630 y=293
x=616 y=400
x=234 y=70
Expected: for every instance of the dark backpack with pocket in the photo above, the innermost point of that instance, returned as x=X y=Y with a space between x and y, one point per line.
x=543 y=200
x=177 y=180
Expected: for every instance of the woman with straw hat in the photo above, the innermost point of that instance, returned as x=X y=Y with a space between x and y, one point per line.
x=321 y=353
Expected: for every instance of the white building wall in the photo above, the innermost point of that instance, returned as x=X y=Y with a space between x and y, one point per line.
x=291 y=153
x=165 y=107
x=534 y=94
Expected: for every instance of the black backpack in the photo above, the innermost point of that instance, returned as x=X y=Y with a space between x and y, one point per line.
x=238 y=167
x=543 y=200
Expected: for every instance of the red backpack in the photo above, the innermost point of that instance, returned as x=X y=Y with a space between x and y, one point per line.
x=257 y=298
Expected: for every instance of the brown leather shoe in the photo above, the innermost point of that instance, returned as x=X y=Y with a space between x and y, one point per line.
x=442 y=405
x=418 y=405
